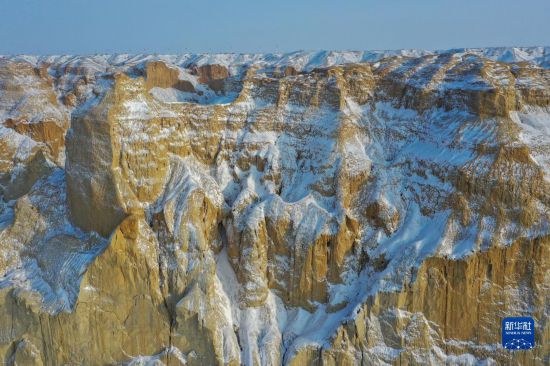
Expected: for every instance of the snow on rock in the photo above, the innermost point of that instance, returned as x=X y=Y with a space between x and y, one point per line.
x=333 y=213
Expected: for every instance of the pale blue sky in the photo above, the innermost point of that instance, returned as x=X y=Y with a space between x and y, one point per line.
x=177 y=26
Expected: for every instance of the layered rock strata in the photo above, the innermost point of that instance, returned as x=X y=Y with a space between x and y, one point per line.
x=390 y=211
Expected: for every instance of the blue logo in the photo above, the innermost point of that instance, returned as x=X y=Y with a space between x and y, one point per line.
x=518 y=333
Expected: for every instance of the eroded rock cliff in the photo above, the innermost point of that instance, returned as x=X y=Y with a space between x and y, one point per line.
x=370 y=209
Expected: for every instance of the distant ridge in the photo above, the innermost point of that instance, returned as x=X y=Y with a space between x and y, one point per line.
x=300 y=60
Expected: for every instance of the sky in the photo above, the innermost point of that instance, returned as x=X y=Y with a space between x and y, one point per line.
x=180 y=26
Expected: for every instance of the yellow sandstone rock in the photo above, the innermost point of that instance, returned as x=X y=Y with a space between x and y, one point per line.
x=385 y=212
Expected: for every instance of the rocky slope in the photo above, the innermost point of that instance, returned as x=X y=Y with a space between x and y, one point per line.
x=332 y=208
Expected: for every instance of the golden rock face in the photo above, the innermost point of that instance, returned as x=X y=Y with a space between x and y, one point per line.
x=383 y=212
x=157 y=74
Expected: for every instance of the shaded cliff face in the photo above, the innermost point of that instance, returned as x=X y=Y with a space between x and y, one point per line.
x=294 y=209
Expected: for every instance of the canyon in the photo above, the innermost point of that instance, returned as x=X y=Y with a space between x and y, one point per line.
x=309 y=208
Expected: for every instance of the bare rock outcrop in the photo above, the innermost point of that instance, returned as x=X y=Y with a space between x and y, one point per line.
x=157 y=74
x=211 y=74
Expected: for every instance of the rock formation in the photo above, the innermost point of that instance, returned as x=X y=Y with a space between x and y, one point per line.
x=249 y=209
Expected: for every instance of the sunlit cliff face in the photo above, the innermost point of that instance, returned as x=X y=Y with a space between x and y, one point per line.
x=307 y=209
